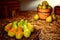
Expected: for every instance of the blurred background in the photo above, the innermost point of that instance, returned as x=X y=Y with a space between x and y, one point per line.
x=32 y=4
x=7 y=6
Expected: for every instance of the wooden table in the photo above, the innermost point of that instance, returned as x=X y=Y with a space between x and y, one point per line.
x=49 y=31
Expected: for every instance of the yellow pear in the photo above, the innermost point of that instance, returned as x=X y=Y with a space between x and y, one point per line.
x=30 y=27
x=36 y=17
x=49 y=19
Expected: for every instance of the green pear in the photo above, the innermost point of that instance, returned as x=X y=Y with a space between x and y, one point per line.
x=49 y=19
x=21 y=23
x=36 y=17
x=39 y=6
x=49 y=7
x=14 y=24
x=26 y=23
x=44 y=7
x=45 y=3
x=27 y=32
x=53 y=16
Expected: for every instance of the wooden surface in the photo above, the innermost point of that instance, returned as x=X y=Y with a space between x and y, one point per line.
x=49 y=31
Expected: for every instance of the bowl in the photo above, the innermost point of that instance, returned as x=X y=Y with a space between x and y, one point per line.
x=43 y=15
x=44 y=10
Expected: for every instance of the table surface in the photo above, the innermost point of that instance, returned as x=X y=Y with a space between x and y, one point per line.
x=49 y=31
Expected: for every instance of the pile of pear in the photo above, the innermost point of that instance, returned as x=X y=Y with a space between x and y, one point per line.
x=44 y=5
x=19 y=29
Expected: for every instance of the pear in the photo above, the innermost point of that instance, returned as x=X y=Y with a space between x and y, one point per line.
x=30 y=27
x=27 y=32
x=19 y=33
x=12 y=31
x=49 y=19
x=39 y=6
x=14 y=24
x=26 y=23
x=45 y=3
x=44 y=7
x=53 y=16
x=36 y=17
x=8 y=27
x=49 y=7
x=21 y=23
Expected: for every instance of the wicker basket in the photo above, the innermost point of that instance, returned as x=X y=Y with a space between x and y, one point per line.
x=43 y=13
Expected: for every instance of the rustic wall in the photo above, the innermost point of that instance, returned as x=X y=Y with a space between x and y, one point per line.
x=32 y=4
x=29 y=4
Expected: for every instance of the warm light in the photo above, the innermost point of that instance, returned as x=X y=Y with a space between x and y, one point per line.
x=43 y=0
x=33 y=4
x=53 y=2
